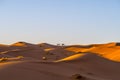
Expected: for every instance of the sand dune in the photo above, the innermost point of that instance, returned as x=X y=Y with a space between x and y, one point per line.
x=35 y=51
x=94 y=65
x=71 y=58
x=91 y=62
x=89 y=66
x=110 y=50
x=46 y=45
x=22 y=44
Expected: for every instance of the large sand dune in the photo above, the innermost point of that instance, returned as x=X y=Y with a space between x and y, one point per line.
x=91 y=62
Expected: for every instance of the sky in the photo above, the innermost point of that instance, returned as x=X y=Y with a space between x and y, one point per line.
x=60 y=21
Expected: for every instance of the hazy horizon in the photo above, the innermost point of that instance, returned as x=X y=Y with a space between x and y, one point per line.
x=60 y=21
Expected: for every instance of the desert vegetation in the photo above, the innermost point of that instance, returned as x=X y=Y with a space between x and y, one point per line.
x=20 y=57
x=3 y=59
x=77 y=77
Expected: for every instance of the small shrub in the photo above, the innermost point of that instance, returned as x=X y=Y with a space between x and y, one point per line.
x=77 y=77
x=90 y=73
x=3 y=59
x=49 y=53
x=20 y=57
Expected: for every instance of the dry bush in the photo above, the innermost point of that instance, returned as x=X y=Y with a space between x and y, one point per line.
x=77 y=77
x=20 y=57
x=3 y=59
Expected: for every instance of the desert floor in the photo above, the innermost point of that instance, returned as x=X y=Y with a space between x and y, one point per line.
x=25 y=61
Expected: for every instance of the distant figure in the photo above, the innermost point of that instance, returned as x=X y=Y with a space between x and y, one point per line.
x=58 y=44
x=63 y=44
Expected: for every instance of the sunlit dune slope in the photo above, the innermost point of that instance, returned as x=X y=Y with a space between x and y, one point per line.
x=70 y=58
x=110 y=51
x=22 y=44
x=76 y=49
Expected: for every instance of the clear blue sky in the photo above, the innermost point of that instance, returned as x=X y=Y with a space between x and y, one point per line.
x=60 y=21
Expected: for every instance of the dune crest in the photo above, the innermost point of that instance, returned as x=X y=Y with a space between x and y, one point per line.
x=70 y=58
x=22 y=44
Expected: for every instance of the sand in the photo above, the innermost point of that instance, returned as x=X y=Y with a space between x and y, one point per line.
x=98 y=62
